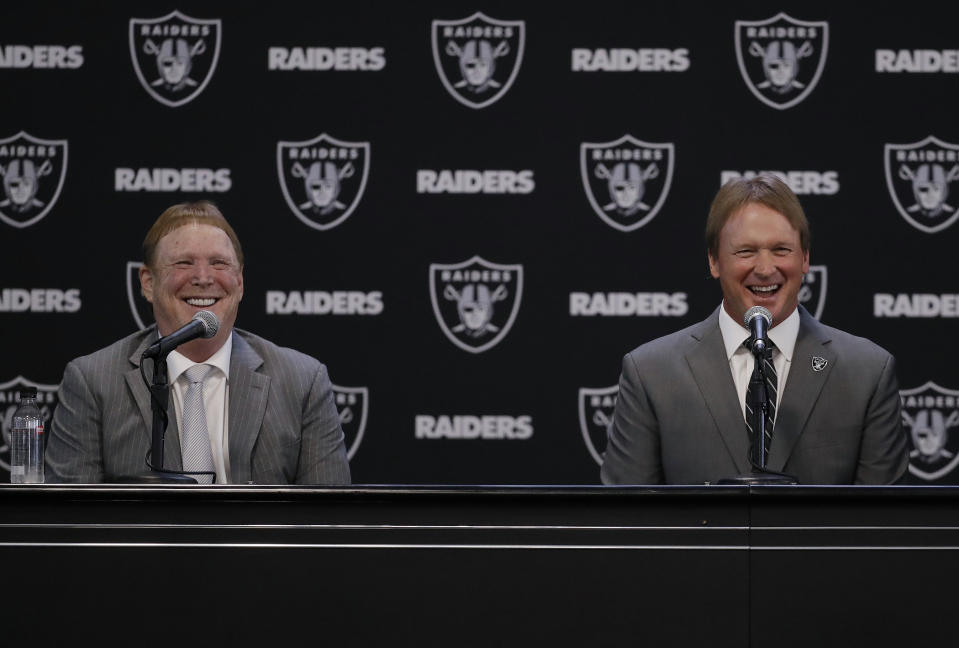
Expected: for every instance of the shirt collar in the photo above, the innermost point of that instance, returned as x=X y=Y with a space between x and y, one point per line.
x=177 y=363
x=783 y=334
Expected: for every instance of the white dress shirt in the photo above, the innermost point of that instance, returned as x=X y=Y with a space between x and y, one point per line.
x=215 y=401
x=741 y=360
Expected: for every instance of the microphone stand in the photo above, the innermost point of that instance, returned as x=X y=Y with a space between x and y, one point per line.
x=159 y=401
x=760 y=476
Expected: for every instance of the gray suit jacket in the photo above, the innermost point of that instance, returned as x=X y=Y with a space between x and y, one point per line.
x=678 y=419
x=283 y=424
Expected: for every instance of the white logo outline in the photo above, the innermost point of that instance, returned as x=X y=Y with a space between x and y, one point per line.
x=215 y=22
x=322 y=137
x=585 y=147
x=435 y=268
x=435 y=27
x=949 y=467
x=361 y=428
x=737 y=37
x=888 y=150
x=64 y=144
x=584 y=394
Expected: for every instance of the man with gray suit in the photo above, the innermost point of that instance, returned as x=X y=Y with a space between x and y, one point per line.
x=680 y=417
x=242 y=409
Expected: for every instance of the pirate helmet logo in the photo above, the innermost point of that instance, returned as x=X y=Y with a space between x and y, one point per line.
x=46 y=401
x=812 y=294
x=140 y=308
x=930 y=413
x=627 y=180
x=476 y=301
x=352 y=405
x=596 y=407
x=781 y=58
x=323 y=179
x=33 y=172
x=478 y=57
x=175 y=55
x=918 y=176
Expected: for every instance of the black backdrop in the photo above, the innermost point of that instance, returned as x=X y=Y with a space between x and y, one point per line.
x=575 y=282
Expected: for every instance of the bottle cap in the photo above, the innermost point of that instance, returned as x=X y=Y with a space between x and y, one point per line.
x=28 y=392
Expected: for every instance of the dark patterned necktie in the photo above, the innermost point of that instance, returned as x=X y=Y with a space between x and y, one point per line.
x=753 y=407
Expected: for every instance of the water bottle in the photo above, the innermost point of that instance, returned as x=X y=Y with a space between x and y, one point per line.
x=26 y=440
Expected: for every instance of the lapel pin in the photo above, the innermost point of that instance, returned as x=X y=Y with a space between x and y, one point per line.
x=818 y=363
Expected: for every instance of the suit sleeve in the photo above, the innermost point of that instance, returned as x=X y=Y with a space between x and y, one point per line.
x=883 y=454
x=73 y=451
x=322 y=448
x=633 y=445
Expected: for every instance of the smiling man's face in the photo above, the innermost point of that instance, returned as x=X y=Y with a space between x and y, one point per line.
x=196 y=269
x=759 y=262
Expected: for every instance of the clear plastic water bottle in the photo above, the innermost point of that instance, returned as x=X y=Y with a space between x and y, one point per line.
x=26 y=440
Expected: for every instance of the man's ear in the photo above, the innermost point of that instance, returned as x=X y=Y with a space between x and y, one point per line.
x=713 y=266
x=146 y=283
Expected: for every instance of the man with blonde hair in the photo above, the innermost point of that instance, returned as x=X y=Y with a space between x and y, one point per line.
x=242 y=409
x=684 y=414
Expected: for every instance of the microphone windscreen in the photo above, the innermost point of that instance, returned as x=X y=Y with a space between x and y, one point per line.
x=751 y=313
x=210 y=323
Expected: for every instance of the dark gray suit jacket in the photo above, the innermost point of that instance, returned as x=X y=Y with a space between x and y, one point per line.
x=283 y=424
x=678 y=419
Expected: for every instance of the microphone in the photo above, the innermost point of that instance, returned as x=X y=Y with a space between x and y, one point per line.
x=757 y=320
x=203 y=325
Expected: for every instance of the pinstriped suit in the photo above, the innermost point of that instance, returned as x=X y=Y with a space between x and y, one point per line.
x=678 y=419
x=283 y=425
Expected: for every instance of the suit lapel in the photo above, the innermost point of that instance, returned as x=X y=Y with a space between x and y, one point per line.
x=141 y=395
x=710 y=368
x=803 y=387
x=248 y=394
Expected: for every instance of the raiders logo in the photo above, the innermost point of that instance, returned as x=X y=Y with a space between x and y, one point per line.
x=929 y=413
x=140 y=308
x=33 y=171
x=812 y=294
x=352 y=404
x=174 y=56
x=626 y=181
x=781 y=58
x=476 y=301
x=9 y=400
x=918 y=176
x=323 y=179
x=595 y=414
x=478 y=57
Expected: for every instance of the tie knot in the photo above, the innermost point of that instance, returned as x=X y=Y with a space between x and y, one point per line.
x=197 y=373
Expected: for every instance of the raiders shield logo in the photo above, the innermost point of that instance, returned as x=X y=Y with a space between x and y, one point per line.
x=174 y=56
x=918 y=176
x=9 y=400
x=595 y=414
x=929 y=413
x=323 y=178
x=812 y=294
x=626 y=181
x=140 y=308
x=475 y=302
x=781 y=58
x=352 y=403
x=478 y=57
x=33 y=171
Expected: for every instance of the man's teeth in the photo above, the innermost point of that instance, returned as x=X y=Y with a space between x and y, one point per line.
x=764 y=289
x=209 y=301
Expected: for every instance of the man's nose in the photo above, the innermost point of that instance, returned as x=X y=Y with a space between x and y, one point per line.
x=765 y=263
x=202 y=273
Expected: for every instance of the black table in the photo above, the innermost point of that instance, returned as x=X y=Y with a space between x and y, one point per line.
x=479 y=566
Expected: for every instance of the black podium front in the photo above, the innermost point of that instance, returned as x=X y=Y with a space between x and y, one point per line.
x=519 y=566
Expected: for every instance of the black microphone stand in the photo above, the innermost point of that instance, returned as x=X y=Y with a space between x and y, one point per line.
x=159 y=401
x=760 y=475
